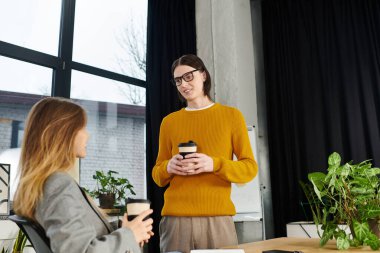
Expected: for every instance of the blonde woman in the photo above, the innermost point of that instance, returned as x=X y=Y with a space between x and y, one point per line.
x=55 y=134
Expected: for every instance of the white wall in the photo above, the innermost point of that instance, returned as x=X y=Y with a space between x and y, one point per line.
x=232 y=51
x=224 y=42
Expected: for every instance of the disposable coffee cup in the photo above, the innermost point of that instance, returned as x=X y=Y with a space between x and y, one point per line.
x=186 y=148
x=135 y=207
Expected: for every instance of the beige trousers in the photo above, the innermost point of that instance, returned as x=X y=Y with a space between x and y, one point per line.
x=186 y=233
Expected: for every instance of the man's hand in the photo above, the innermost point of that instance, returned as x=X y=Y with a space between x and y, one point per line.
x=175 y=166
x=197 y=163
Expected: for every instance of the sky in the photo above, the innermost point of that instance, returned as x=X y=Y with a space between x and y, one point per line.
x=98 y=30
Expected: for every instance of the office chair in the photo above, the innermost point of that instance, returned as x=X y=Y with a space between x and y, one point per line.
x=34 y=232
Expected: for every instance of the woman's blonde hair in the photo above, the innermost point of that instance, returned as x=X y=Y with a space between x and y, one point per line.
x=47 y=147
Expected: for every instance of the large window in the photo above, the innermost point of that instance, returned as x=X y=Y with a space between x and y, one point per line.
x=91 y=51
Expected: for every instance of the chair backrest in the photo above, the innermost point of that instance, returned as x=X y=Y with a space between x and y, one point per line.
x=34 y=232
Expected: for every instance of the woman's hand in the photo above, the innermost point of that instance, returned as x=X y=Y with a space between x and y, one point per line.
x=175 y=166
x=142 y=229
x=197 y=163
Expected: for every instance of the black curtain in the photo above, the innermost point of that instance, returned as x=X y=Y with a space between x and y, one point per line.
x=171 y=33
x=322 y=70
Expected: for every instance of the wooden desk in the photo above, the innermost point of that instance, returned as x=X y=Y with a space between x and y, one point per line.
x=306 y=245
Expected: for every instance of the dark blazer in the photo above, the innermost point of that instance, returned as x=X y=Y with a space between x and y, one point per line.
x=74 y=225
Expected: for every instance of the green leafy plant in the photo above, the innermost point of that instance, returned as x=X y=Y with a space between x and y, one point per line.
x=348 y=194
x=107 y=183
x=19 y=244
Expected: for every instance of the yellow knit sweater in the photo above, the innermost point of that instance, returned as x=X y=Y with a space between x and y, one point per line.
x=219 y=131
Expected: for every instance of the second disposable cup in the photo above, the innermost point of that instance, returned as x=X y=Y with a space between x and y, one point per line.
x=136 y=206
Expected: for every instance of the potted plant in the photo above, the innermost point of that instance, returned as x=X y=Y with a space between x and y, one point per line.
x=348 y=194
x=110 y=188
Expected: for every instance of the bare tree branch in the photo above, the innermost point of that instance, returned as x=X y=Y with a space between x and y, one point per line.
x=132 y=40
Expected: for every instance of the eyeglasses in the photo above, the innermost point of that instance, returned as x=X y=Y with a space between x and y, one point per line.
x=187 y=77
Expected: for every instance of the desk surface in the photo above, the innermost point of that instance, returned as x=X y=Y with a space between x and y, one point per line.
x=306 y=245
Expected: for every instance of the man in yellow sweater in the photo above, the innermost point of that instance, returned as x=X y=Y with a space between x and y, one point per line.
x=198 y=208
